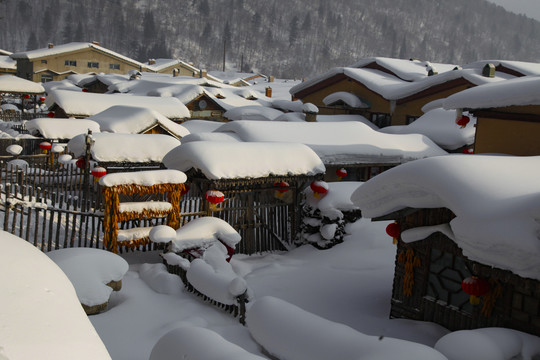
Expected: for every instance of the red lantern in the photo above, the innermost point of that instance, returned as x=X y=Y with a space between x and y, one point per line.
x=341 y=173
x=84 y=90
x=468 y=151
x=45 y=146
x=80 y=163
x=42 y=99
x=99 y=171
x=463 y=121
x=319 y=188
x=283 y=187
x=50 y=114
x=214 y=197
x=393 y=230
x=26 y=96
x=475 y=287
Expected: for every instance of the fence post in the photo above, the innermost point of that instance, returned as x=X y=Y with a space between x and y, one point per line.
x=86 y=172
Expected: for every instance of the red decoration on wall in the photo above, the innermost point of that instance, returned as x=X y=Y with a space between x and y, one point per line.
x=341 y=173
x=214 y=197
x=99 y=171
x=45 y=145
x=393 y=230
x=475 y=287
x=50 y=114
x=463 y=121
x=80 y=163
x=319 y=188
x=283 y=186
x=468 y=151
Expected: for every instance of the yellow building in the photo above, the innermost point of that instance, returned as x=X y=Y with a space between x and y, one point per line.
x=58 y=62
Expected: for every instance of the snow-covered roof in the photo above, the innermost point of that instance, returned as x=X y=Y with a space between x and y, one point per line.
x=144 y=178
x=58 y=128
x=523 y=67
x=338 y=142
x=346 y=97
x=109 y=147
x=42 y=317
x=7 y=63
x=134 y=120
x=70 y=47
x=88 y=104
x=236 y=160
x=494 y=198
x=516 y=92
x=408 y=70
x=252 y=112
x=197 y=125
x=14 y=84
x=393 y=88
x=160 y=64
x=440 y=126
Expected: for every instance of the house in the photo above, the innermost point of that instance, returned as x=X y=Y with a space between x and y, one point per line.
x=137 y=120
x=56 y=62
x=507 y=115
x=239 y=181
x=172 y=66
x=514 y=68
x=361 y=150
x=467 y=239
x=78 y=104
x=387 y=95
x=61 y=129
x=235 y=78
x=8 y=66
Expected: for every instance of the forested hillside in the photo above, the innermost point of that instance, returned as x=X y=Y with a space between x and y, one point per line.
x=283 y=38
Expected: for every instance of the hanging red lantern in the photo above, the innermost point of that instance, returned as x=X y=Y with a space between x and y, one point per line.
x=341 y=173
x=50 y=114
x=184 y=190
x=45 y=146
x=26 y=96
x=394 y=231
x=468 y=151
x=42 y=99
x=84 y=90
x=214 y=197
x=99 y=171
x=463 y=121
x=282 y=186
x=475 y=287
x=319 y=188
x=80 y=163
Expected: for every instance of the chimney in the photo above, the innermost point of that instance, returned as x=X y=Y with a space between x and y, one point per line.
x=175 y=72
x=488 y=70
x=95 y=42
x=271 y=78
x=268 y=92
x=50 y=45
x=151 y=61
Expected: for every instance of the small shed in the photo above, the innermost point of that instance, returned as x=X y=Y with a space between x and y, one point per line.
x=468 y=247
x=249 y=176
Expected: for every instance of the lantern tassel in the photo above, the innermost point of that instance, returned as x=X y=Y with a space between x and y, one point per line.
x=474 y=300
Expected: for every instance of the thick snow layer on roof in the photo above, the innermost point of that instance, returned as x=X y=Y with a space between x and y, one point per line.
x=125 y=147
x=90 y=270
x=8 y=63
x=69 y=47
x=440 y=126
x=280 y=87
x=144 y=178
x=134 y=120
x=409 y=70
x=41 y=316
x=494 y=198
x=160 y=64
x=518 y=91
x=235 y=160
x=57 y=128
x=337 y=142
x=345 y=97
x=252 y=113
x=211 y=136
x=15 y=84
x=197 y=126
x=526 y=68
x=60 y=85
x=203 y=231
x=88 y=104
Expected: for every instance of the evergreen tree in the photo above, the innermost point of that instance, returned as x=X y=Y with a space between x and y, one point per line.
x=32 y=42
x=293 y=31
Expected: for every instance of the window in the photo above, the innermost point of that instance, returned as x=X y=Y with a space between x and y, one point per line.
x=46 y=78
x=114 y=66
x=43 y=61
x=92 y=64
x=70 y=63
x=381 y=119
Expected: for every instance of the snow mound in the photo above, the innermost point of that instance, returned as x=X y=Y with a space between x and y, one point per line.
x=157 y=278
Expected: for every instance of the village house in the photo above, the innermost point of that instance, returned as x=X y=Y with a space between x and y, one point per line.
x=7 y=64
x=174 y=67
x=507 y=115
x=467 y=239
x=388 y=95
x=56 y=62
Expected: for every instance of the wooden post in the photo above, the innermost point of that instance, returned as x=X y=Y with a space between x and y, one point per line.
x=86 y=170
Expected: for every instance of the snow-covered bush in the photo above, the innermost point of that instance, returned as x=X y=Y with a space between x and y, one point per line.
x=325 y=217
